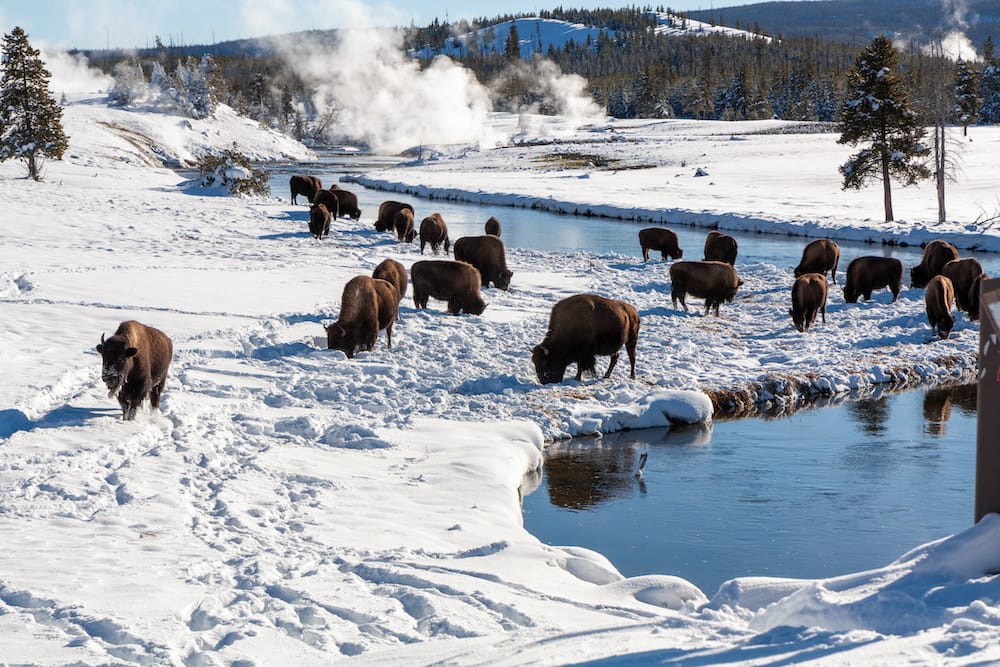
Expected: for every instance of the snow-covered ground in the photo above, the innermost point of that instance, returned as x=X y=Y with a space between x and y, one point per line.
x=291 y=506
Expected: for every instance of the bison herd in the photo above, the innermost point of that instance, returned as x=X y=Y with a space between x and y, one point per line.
x=581 y=327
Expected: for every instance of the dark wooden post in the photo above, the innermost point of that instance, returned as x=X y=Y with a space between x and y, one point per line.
x=988 y=402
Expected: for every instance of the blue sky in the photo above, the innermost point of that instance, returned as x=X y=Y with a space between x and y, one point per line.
x=135 y=23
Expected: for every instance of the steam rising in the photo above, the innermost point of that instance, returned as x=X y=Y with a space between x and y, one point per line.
x=71 y=74
x=955 y=44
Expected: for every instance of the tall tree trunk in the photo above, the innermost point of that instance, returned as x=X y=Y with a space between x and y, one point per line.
x=886 y=188
x=939 y=166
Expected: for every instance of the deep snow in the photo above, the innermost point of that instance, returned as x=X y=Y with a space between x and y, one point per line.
x=290 y=506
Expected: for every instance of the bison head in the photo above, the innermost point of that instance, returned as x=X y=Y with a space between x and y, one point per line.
x=919 y=277
x=337 y=339
x=851 y=294
x=945 y=325
x=503 y=280
x=798 y=319
x=116 y=361
x=548 y=370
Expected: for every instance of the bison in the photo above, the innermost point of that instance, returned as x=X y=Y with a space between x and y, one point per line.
x=328 y=200
x=388 y=297
x=348 y=202
x=936 y=255
x=974 y=296
x=661 y=239
x=939 y=297
x=434 y=231
x=492 y=227
x=713 y=281
x=386 y=220
x=134 y=363
x=447 y=280
x=403 y=222
x=867 y=274
x=820 y=256
x=359 y=322
x=720 y=248
x=304 y=185
x=808 y=297
x=319 y=220
x=487 y=254
x=962 y=273
x=392 y=272
x=582 y=327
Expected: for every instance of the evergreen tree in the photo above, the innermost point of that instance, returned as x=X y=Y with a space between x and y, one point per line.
x=130 y=84
x=989 y=91
x=512 y=49
x=30 y=119
x=877 y=111
x=967 y=99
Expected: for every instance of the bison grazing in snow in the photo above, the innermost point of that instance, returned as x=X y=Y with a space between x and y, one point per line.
x=347 y=202
x=134 y=363
x=713 y=281
x=492 y=227
x=454 y=282
x=434 y=231
x=386 y=220
x=867 y=274
x=403 y=222
x=582 y=327
x=962 y=273
x=487 y=254
x=392 y=272
x=661 y=239
x=936 y=255
x=974 y=296
x=808 y=298
x=938 y=298
x=359 y=322
x=720 y=248
x=304 y=185
x=319 y=220
x=820 y=256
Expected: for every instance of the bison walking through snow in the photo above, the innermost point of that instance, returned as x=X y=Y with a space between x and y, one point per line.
x=808 y=298
x=434 y=231
x=134 y=363
x=869 y=273
x=319 y=220
x=939 y=297
x=582 y=327
x=713 y=281
x=386 y=220
x=359 y=322
x=304 y=185
x=820 y=256
x=661 y=239
x=455 y=282
x=403 y=222
x=487 y=254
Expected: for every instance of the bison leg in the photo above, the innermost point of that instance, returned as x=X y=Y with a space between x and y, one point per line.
x=388 y=336
x=645 y=254
x=611 y=366
x=823 y=311
x=422 y=243
x=455 y=305
x=154 y=393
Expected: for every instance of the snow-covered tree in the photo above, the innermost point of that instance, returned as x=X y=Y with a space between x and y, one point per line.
x=989 y=91
x=30 y=119
x=967 y=99
x=130 y=84
x=877 y=112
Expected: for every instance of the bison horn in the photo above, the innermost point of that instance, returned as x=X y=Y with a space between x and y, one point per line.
x=102 y=339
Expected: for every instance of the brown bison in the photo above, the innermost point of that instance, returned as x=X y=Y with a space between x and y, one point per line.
x=936 y=255
x=867 y=274
x=939 y=297
x=134 y=363
x=720 y=248
x=388 y=297
x=713 y=281
x=962 y=273
x=392 y=272
x=447 y=280
x=304 y=185
x=359 y=322
x=808 y=297
x=820 y=256
x=434 y=231
x=582 y=327
x=330 y=201
x=661 y=239
x=403 y=222
x=319 y=220
x=386 y=220
x=348 y=202
x=487 y=254
x=974 y=296
x=492 y=227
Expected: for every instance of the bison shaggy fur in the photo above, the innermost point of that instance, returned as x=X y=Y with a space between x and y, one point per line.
x=720 y=247
x=487 y=254
x=319 y=220
x=936 y=255
x=870 y=273
x=386 y=220
x=962 y=273
x=713 y=281
x=582 y=327
x=359 y=322
x=134 y=363
x=455 y=282
x=938 y=298
x=808 y=298
x=392 y=272
x=434 y=231
x=328 y=199
x=492 y=227
x=820 y=256
x=403 y=222
x=661 y=239
x=304 y=185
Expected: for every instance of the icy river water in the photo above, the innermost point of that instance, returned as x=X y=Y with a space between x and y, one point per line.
x=825 y=491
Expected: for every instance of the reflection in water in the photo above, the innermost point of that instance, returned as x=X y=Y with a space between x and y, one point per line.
x=870 y=413
x=937 y=411
x=964 y=397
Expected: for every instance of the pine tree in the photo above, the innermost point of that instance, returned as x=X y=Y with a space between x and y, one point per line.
x=30 y=119
x=130 y=84
x=967 y=99
x=877 y=111
x=512 y=49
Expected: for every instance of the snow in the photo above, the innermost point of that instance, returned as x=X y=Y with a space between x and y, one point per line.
x=290 y=506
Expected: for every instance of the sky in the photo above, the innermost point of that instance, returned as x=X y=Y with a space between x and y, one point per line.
x=87 y=24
